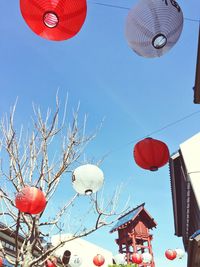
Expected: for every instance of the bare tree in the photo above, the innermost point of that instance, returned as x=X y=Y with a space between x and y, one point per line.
x=27 y=160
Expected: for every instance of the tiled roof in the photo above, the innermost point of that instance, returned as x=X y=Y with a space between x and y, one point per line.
x=127 y=217
x=195 y=234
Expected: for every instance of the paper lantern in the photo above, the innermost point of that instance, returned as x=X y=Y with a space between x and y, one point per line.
x=51 y=262
x=170 y=254
x=1 y=262
x=137 y=258
x=151 y=154
x=30 y=200
x=120 y=259
x=98 y=260
x=75 y=261
x=179 y=253
x=66 y=257
x=147 y=257
x=153 y=27
x=87 y=179
x=55 y=20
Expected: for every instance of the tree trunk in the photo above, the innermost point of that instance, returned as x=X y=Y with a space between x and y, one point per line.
x=27 y=259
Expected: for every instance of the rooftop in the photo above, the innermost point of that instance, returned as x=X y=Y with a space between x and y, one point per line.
x=130 y=216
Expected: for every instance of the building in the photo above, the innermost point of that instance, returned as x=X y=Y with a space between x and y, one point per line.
x=197 y=76
x=185 y=185
x=7 y=241
x=85 y=250
x=134 y=233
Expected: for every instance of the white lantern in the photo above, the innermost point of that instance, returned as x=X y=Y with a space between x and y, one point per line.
x=120 y=259
x=153 y=27
x=75 y=261
x=147 y=257
x=179 y=253
x=87 y=179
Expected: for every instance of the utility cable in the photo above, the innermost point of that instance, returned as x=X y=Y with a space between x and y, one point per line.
x=154 y=132
x=128 y=8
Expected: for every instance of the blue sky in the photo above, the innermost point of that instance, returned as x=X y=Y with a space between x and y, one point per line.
x=135 y=96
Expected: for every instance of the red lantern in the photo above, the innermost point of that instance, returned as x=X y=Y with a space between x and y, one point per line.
x=1 y=262
x=55 y=20
x=170 y=254
x=30 y=200
x=151 y=154
x=98 y=260
x=136 y=258
x=51 y=262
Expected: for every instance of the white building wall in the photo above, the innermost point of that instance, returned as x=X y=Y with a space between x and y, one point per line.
x=84 y=249
x=190 y=150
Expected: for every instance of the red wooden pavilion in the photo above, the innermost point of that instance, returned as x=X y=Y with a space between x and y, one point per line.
x=133 y=233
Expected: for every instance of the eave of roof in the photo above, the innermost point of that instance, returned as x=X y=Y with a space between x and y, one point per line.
x=197 y=77
x=175 y=169
x=8 y=231
x=124 y=220
x=195 y=235
x=194 y=250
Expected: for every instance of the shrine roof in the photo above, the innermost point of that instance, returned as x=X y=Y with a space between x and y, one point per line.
x=130 y=216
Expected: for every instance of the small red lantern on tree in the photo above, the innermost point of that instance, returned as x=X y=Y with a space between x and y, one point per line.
x=51 y=262
x=55 y=20
x=1 y=262
x=151 y=154
x=136 y=258
x=98 y=260
x=170 y=254
x=30 y=200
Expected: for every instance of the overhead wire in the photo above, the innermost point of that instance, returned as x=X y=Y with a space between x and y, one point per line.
x=128 y=8
x=167 y=125
x=154 y=132
x=172 y=123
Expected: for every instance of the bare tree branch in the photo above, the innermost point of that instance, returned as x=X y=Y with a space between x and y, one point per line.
x=31 y=159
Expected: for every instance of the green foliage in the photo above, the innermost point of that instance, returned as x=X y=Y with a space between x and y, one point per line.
x=123 y=265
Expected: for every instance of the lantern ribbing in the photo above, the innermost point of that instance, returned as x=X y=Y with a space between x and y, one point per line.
x=55 y=20
x=153 y=27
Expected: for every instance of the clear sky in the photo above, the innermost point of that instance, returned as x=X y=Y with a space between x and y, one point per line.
x=135 y=96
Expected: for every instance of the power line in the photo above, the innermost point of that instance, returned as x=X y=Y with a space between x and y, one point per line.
x=193 y=20
x=128 y=8
x=108 y=5
x=155 y=131
x=171 y=124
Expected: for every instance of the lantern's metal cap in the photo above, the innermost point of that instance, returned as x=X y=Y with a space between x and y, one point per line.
x=153 y=168
x=50 y=19
x=159 y=41
x=88 y=192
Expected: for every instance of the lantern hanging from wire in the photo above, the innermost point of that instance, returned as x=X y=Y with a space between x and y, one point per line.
x=55 y=20
x=153 y=27
x=120 y=259
x=170 y=254
x=98 y=260
x=51 y=262
x=137 y=258
x=147 y=257
x=87 y=179
x=30 y=200
x=179 y=253
x=66 y=257
x=75 y=261
x=1 y=262
x=151 y=154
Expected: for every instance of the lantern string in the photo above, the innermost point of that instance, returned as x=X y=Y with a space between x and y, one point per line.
x=155 y=131
x=108 y=5
x=170 y=124
x=128 y=8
